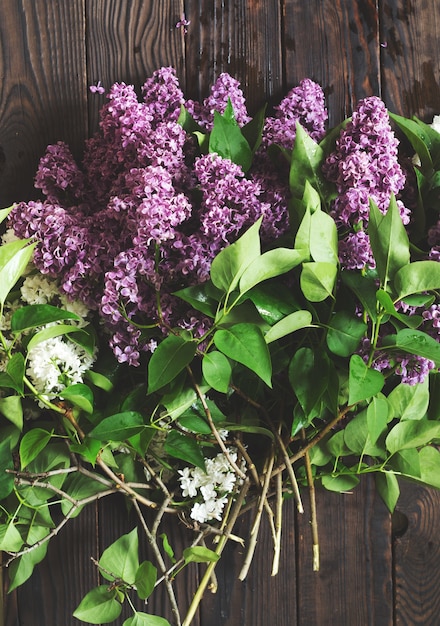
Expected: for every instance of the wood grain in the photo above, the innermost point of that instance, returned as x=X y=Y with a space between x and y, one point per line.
x=410 y=57
x=354 y=583
x=128 y=40
x=335 y=43
x=42 y=97
x=242 y=38
x=417 y=558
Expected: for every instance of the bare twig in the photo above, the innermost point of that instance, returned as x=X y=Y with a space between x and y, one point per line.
x=313 y=515
x=278 y=524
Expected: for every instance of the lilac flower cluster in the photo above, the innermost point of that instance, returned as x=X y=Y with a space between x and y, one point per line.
x=364 y=166
x=303 y=104
x=145 y=213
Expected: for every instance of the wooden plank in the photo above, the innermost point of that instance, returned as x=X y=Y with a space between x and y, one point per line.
x=335 y=43
x=56 y=587
x=242 y=38
x=417 y=557
x=354 y=583
x=127 y=41
x=42 y=96
x=260 y=599
x=410 y=57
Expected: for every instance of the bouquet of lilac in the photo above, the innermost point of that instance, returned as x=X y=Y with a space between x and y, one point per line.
x=213 y=312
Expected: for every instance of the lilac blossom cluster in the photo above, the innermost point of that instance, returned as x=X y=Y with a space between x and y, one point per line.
x=364 y=166
x=145 y=213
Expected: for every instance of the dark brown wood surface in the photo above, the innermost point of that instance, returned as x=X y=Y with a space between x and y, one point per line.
x=375 y=570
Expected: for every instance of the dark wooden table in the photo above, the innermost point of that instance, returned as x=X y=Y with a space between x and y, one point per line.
x=376 y=570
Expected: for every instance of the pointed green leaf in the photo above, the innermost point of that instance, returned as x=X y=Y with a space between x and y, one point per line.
x=217 y=371
x=35 y=315
x=10 y=538
x=417 y=277
x=99 y=606
x=430 y=466
x=308 y=376
x=323 y=238
x=231 y=262
x=6 y=463
x=171 y=356
x=384 y=299
x=12 y=267
x=15 y=368
x=79 y=395
x=289 y=324
x=200 y=554
x=341 y=483
x=50 y=332
x=185 y=448
x=12 y=409
x=245 y=344
x=388 y=489
x=377 y=417
x=145 y=619
x=120 y=559
x=318 y=280
x=412 y=434
x=389 y=241
x=306 y=165
x=415 y=342
x=146 y=577
x=345 y=333
x=409 y=402
x=228 y=141
x=33 y=442
x=364 y=382
x=268 y=265
x=118 y=427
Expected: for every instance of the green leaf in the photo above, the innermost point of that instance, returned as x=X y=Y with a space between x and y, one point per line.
x=228 y=141
x=253 y=130
x=345 y=333
x=171 y=356
x=185 y=448
x=216 y=370
x=35 y=315
x=144 y=619
x=15 y=368
x=430 y=466
x=21 y=569
x=200 y=554
x=229 y=265
x=389 y=241
x=88 y=449
x=412 y=434
x=388 y=489
x=364 y=382
x=364 y=288
x=384 y=299
x=52 y=331
x=289 y=324
x=417 y=277
x=10 y=538
x=306 y=165
x=414 y=342
x=14 y=257
x=323 y=238
x=357 y=436
x=80 y=396
x=268 y=265
x=145 y=580
x=120 y=559
x=12 y=409
x=318 y=280
x=33 y=442
x=118 y=427
x=340 y=484
x=99 y=606
x=167 y=547
x=79 y=487
x=5 y=212
x=200 y=297
x=99 y=380
x=308 y=376
x=377 y=417
x=245 y=344
x=418 y=138
x=409 y=402
x=406 y=463
x=6 y=463
x=271 y=302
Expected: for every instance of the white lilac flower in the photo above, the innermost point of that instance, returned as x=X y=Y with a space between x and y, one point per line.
x=55 y=364
x=212 y=487
x=38 y=289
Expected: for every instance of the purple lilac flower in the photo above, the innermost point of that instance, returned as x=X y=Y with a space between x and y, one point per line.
x=58 y=175
x=355 y=251
x=413 y=369
x=304 y=104
x=163 y=95
x=364 y=165
x=431 y=319
x=225 y=88
x=434 y=242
